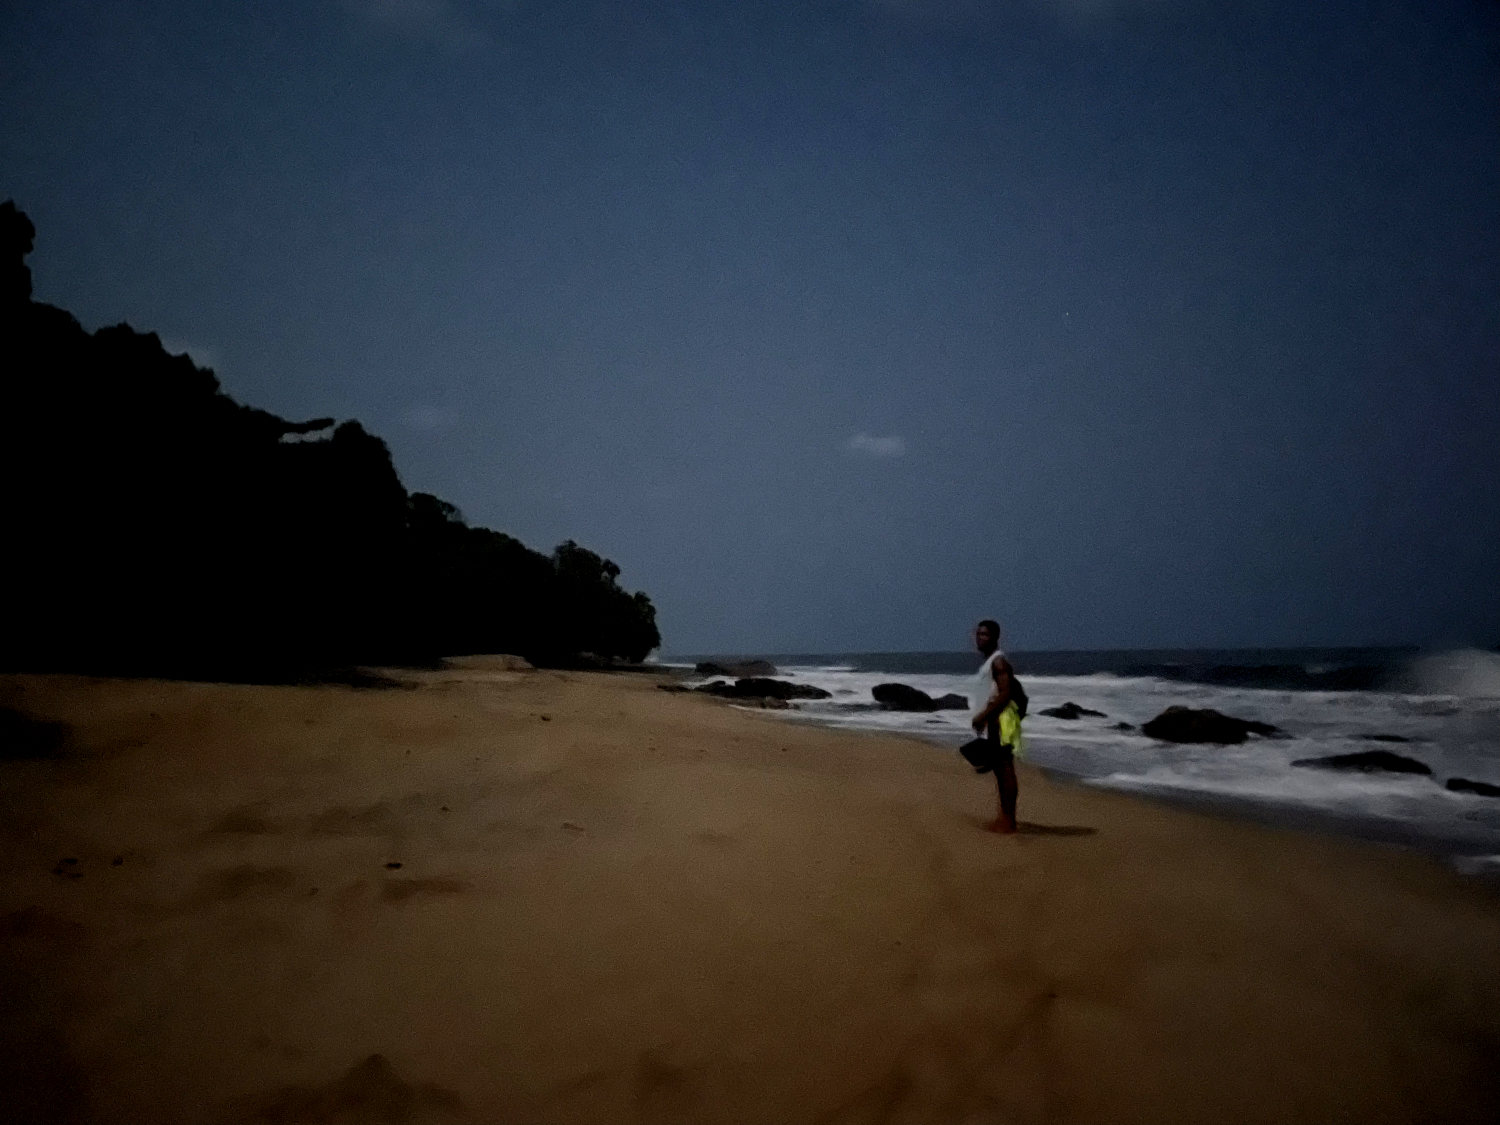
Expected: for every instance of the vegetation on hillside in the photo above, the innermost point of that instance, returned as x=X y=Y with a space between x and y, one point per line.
x=154 y=524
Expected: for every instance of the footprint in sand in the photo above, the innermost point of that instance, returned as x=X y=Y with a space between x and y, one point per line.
x=372 y=820
x=401 y=890
x=661 y=1087
x=249 y=820
x=238 y=882
x=369 y=1091
x=33 y=924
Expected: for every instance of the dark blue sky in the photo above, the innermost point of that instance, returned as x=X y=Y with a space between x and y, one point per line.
x=838 y=325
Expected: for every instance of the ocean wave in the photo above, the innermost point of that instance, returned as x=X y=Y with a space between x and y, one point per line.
x=1275 y=677
x=1468 y=673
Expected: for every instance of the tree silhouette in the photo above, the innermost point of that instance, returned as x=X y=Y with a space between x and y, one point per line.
x=156 y=525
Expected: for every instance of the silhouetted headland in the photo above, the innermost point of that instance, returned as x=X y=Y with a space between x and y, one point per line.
x=154 y=525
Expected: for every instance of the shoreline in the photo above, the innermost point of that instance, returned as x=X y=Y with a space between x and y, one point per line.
x=1286 y=816
x=1321 y=823
x=568 y=896
x=1448 y=735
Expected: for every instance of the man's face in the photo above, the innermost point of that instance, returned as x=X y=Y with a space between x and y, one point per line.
x=985 y=639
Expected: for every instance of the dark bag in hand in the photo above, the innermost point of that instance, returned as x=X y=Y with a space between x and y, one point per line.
x=979 y=754
x=979 y=751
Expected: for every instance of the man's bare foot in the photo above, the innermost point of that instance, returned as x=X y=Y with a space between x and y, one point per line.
x=1004 y=825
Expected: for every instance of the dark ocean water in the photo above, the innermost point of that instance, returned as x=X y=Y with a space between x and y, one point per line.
x=1284 y=669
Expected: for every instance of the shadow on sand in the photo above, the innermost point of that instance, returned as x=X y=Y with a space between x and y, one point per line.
x=1026 y=828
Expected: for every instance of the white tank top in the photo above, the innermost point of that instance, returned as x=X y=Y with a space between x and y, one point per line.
x=984 y=684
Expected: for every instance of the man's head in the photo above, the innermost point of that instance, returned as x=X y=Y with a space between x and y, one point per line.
x=987 y=636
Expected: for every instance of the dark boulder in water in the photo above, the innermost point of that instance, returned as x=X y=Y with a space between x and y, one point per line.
x=901 y=697
x=1184 y=724
x=950 y=702
x=779 y=689
x=1479 y=788
x=758 y=687
x=1123 y=726
x=1071 y=710
x=1383 y=738
x=740 y=669
x=1367 y=761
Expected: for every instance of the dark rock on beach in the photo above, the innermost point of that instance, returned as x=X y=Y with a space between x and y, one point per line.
x=1123 y=726
x=951 y=702
x=1184 y=724
x=1071 y=710
x=1383 y=738
x=1366 y=761
x=743 y=669
x=901 y=697
x=578 y=661
x=1479 y=788
x=758 y=687
x=23 y=737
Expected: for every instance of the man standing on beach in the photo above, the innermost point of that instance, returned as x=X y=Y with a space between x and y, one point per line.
x=996 y=715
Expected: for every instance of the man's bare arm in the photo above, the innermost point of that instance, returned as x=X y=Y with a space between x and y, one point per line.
x=999 y=695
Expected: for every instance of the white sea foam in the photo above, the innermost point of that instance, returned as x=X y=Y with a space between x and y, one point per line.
x=1477 y=864
x=1467 y=673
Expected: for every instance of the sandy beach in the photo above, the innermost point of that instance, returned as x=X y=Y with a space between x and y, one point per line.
x=502 y=896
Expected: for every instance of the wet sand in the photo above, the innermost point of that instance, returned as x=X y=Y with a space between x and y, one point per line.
x=615 y=904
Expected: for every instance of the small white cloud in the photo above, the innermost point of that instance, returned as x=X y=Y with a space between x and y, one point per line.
x=203 y=357
x=441 y=21
x=430 y=418
x=877 y=446
x=1078 y=14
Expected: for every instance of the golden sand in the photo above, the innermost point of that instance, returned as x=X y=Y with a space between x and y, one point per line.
x=614 y=904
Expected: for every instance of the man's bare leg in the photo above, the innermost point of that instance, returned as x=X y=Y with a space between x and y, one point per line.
x=1005 y=803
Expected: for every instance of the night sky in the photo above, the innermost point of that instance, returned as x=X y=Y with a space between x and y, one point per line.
x=838 y=325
